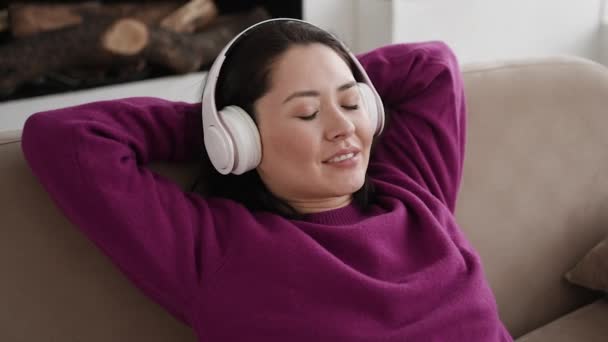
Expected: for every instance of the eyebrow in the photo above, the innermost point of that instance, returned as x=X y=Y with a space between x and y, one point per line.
x=316 y=93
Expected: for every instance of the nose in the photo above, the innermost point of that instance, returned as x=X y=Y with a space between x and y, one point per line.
x=338 y=124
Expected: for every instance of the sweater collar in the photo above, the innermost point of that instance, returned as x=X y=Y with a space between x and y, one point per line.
x=345 y=215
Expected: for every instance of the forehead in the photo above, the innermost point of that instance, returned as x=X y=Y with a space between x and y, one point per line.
x=309 y=65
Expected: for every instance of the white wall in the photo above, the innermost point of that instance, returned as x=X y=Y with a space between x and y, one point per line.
x=478 y=30
x=361 y=24
x=491 y=29
x=603 y=34
x=336 y=16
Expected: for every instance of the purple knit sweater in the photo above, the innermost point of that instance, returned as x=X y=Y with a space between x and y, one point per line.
x=402 y=272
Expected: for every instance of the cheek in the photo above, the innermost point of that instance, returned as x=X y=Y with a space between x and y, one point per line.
x=285 y=146
x=366 y=129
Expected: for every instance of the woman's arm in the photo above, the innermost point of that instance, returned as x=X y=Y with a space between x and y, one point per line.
x=421 y=87
x=90 y=159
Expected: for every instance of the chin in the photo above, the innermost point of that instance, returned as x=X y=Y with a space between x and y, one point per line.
x=349 y=188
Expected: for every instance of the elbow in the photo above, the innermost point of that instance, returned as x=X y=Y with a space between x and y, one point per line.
x=440 y=52
x=41 y=136
x=33 y=133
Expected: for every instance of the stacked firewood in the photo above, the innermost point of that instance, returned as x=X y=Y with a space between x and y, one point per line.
x=95 y=40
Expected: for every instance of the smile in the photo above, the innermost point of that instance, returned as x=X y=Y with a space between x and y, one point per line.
x=342 y=157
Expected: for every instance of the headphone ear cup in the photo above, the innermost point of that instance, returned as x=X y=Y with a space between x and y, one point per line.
x=245 y=137
x=369 y=101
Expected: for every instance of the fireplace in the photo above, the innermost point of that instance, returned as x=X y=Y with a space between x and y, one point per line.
x=50 y=47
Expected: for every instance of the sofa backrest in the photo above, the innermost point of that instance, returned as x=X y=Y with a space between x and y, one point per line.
x=56 y=285
x=533 y=201
x=534 y=197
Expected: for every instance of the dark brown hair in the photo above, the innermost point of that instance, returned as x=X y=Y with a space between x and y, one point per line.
x=245 y=77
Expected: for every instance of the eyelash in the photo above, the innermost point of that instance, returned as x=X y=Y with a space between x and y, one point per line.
x=313 y=115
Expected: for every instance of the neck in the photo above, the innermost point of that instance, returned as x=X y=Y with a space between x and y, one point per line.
x=309 y=206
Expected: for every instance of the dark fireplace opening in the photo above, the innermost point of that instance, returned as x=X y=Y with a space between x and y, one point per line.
x=49 y=47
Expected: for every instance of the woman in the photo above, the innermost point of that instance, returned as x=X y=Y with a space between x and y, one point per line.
x=328 y=238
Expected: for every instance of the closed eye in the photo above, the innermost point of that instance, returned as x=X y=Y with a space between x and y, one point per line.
x=309 y=117
x=313 y=115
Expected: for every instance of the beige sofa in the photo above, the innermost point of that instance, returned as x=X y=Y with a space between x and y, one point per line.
x=534 y=200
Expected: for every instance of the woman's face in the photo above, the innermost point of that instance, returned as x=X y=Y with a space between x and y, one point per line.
x=310 y=119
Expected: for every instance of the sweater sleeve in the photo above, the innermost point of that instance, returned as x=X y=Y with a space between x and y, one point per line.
x=422 y=90
x=90 y=159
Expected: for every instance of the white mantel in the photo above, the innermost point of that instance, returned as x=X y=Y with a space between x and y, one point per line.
x=187 y=88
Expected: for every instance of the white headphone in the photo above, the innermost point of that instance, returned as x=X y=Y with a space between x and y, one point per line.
x=231 y=137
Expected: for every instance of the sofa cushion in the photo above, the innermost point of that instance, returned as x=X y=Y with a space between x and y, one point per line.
x=585 y=324
x=592 y=271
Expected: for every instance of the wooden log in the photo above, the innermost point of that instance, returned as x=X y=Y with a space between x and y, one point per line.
x=188 y=52
x=27 y=19
x=181 y=53
x=105 y=41
x=3 y=20
x=85 y=77
x=150 y=12
x=126 y=37
x=26 y=59
x=191 y=17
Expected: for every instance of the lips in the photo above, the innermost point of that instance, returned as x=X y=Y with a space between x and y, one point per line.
x=342 y=152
